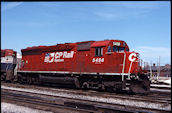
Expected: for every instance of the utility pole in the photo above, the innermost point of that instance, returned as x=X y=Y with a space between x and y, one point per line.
x=158 y=69
x=159 y=66
x=151 y=69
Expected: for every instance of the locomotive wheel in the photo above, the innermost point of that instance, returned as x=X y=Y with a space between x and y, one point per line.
x=101 y=87
x=85 y=85
x=29 y=80
x=140 y=86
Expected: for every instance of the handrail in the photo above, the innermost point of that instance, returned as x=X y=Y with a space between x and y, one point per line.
x=123 y=66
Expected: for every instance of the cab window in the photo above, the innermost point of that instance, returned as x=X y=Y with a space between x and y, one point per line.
x=98 y=51
x=118 y=49
x=109 y=49
x=115 y=49
x=121 y=49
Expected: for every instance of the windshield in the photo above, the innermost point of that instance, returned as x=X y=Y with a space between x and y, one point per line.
x=118 y=49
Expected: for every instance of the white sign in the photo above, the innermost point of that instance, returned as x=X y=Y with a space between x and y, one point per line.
x=116 y=43
x=57 y=56
x=7 y=59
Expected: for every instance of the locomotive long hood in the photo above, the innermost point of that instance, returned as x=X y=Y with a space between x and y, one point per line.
x=58 y=47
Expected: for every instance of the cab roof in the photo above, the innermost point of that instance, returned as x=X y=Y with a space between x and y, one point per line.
x=68 y=46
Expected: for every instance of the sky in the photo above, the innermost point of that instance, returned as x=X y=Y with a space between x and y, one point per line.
x=144 y=25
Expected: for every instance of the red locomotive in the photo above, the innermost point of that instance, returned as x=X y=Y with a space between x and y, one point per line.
x=8 y=64
x=105 y=65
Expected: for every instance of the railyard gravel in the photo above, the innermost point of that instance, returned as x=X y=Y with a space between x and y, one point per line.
x=12 y=108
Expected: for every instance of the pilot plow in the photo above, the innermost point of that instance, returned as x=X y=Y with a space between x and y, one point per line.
x=140 y=86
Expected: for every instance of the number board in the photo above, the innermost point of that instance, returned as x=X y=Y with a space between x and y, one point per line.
x=116 y=43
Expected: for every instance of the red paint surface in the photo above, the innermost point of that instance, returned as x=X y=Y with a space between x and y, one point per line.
x=82 y=61
x=7 y=52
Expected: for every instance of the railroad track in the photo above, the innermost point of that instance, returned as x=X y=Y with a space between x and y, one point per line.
x=125 y=95
x=83 y=101
x=161 y=86
x=37 y=101
x=53 y=102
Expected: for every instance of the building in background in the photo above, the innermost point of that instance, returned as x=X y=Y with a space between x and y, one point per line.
x=165 y=71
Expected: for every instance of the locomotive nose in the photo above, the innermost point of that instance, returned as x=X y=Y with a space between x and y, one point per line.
x=133 y=57
x=133 y=63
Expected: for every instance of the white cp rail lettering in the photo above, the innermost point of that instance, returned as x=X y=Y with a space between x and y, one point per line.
x=131 y=58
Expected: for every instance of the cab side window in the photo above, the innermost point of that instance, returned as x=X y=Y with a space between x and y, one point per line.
x=109 y=49
x=115 y=49
x=98 y=51
x=121 y=49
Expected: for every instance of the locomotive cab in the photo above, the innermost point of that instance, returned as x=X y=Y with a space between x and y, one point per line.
x=8 y=63
x=113 y=56
x=115 y=53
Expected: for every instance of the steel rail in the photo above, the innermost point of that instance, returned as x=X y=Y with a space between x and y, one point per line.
x=34 y=103
x=65 y=104
x=97 y=105
x=151 y=98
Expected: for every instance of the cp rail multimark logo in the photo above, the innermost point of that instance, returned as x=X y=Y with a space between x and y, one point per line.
x=58 y=56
